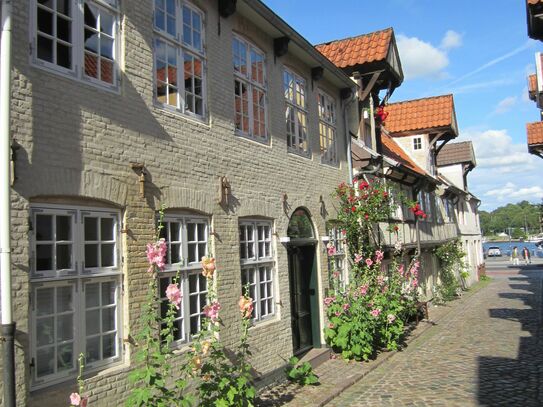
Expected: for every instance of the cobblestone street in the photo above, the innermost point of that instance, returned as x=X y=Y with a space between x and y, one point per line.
x=488 y=353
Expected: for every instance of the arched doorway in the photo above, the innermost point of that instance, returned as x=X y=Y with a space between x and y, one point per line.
x=302 y=267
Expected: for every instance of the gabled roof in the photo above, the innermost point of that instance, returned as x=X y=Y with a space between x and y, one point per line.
x=420 y=116
x=535 y=133
x=362 y=49
x=456 y=153
x=393 y=150
x=367 y=54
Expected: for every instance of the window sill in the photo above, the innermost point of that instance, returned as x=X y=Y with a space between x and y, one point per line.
x=245 y=136
x=198 y=120
x=270 y=320
x=296 y=153
x=333 y=164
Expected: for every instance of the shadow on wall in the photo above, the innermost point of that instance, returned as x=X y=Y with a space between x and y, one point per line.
x=508 y=382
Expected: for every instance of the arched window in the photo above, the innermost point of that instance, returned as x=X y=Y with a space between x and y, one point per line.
x=300 y=226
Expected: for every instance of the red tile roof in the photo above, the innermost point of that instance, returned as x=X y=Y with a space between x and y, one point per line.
x=535 y=133
x=393 y=150
x=534 y=2
x=358 y=50
x=421 y=115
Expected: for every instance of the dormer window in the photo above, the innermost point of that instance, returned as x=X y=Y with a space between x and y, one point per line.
x=417 y=143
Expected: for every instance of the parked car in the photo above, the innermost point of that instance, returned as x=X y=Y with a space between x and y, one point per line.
x=494 y=251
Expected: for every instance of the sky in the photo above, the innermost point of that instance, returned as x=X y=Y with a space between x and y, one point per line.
x=478 y=51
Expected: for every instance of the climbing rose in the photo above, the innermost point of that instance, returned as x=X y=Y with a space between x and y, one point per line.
x=353 y=209
x=369 y=262
x=174 y=294
x=156 y=253
x=391 y=318
x=363 y=185
x=358 y=258
x=245 y=306
x=379 y=256
x=375 y=312
x=329 y=300
x=75 y=399
x=208 y=266
x=212 y=310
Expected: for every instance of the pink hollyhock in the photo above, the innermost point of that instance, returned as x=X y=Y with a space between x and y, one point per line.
x=174 y=294
x=415 y=283
x=379 y=256
x=75 y=399
x=246 y=306
x=156 y=254
x=346 y=307
x=329 y=300
x=401 y=269
x=331 y=249
x=358 y=258
x=363 y=289
x=375 y=312
x=212 y=310
x=208 y=266
x=369 y=262
x=391 y=318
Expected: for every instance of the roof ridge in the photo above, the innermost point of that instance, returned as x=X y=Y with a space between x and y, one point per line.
x=355 y=36
x=419 y=99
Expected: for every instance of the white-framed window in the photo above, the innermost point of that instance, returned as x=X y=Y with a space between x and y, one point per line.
x=294 y=87
x=327 y=128
x=187 y=240
x=179 y=50
x=250 y=94
x=78 y=38
x=75 y=291
x=258 y=265
x=417 y=143
x=337 y=262
x=426 y=204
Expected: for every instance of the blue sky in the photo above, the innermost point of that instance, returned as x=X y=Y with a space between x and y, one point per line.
x=477 y=50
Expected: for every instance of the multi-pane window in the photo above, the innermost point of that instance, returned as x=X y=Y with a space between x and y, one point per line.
x=75 y=291
x=295 y=112
x=187 y=242
x=179 y=56
x=336 y=262
x=79 y=37
x=257 y=266
x=417 y=143
x=327 y=128
x=249 y=90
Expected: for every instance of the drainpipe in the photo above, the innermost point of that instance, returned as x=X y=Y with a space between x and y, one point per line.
x=8 y=326
x=348 y=137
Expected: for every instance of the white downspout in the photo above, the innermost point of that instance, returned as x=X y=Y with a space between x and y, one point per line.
x=8 y=327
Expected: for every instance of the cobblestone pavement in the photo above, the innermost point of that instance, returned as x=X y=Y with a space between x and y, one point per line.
x=488 y=352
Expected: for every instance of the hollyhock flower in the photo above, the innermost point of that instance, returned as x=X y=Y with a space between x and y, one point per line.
x=75 y=399
x=206 y=345
x=379 y=256
x=174 y=294
x=331 y=249
x=415 y=283
x=363 y=289
x=212 y=311
x=391 y=318
x=358 y=258
x=156 y=254
x=329 y=300
x=369 y=262
x=375 y=312
x=401 y=269
x=208 y=266
x=346 y=307
x=246 y=306
x=196 y=362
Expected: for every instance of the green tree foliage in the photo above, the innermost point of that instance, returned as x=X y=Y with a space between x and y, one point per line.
x=514 y=216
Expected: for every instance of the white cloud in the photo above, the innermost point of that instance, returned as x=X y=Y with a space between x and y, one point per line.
x=421 y=59
x=510 y=190
x=506 y=104
x=451 y=40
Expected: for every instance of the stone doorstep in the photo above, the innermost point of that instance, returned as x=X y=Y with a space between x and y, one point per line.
x=382 y=357
x=317 y=356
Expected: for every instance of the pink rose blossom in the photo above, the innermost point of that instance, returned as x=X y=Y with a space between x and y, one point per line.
x=391 y=318
x=338 y=313
x=363 y=289
x=174 y=294
x=329 y=300
x=369 y=262
x=346 y=307
x=375 y=312
x=75 y=399
x=212 y=311
x=358 y=258
x=156 y=254
x=379 y=256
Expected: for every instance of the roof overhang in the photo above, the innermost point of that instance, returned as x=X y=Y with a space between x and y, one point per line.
x=274 y=26
x=536 y=149
x=534 y=15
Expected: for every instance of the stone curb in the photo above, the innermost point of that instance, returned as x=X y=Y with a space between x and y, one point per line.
x=383 y=357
